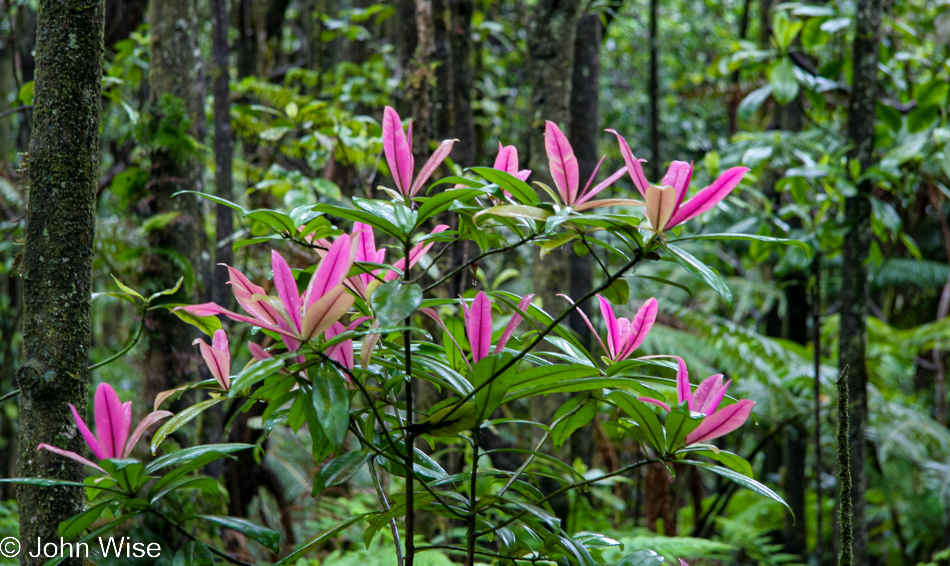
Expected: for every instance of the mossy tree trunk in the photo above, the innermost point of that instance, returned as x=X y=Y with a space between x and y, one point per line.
x=57 y=267
x=174 y=248
x=853 y=336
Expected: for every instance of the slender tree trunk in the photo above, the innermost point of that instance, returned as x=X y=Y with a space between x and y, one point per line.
x=57 y=268
x=223 y=184
x=551 y=36
x=654 y=94
x=175 y=248
x=585 y=134
x=853 y=338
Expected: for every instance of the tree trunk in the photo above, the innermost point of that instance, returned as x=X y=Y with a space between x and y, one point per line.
x=585 y=134
x=853 y=338
x=654 y=94
x=551 y=36
x=57 y=265
x=174 y=249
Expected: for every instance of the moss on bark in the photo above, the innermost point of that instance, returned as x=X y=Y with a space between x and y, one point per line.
x=57 y=266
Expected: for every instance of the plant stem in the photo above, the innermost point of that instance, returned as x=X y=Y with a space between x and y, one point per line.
x=846 y=558
x=129 y=346
x=192 y=537
x=472 y=500
x=410 y=437
x=381 y=494
x=480 y=256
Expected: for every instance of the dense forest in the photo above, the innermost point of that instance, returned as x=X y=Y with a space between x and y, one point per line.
x=500 y=282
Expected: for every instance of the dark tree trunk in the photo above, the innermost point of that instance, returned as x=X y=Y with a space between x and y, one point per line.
x=223 y=185
x=122 y=18
x=551 y=36
x=654 y=94
x=174 y=249
x=853 y=338
x=585 y=133
x=57 y=265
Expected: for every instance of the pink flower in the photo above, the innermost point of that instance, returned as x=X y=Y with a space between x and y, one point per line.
x=709 y=394
x=478 y=325
x=343 y=352
x=398 y=149
x=296 y=317
x=217 y=356
x=415 y=254
x=665 y=202
x=363 y=283
x=623 y=336
x=564 y=169
x=113 y=421
x=507 y=161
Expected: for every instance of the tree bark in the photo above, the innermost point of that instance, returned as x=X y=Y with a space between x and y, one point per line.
x=57 y=273
x=174 y=249
x=585 y=134
x=654 y=94
x=551 y=36
x=853 y=338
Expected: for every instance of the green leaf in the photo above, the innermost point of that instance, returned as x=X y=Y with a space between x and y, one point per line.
x=340 y=469
x=753 y=101
x=319 y=541
x=516 y=187
x=254 y=373
x=783 y=81
x=331 y=403
x=364 y=217
x=74 y=526
x=728 y=459
x=750 y=237
x=193 y=553
x=216 y=199
x=742 y=480
x=193 y=453
x=43 y=482
x=641 y=558
x=643 y=415
x=126 y=289
x=679 y=423
x=26 y=93
x=167 y=292
x=442 y=201
x=618 y=293
x=701 y=270
x=490 y=396
x=207 y=485
x=275 y=220
x=398 y=509
x=207 y=324
x=268 y=537
x=181 y=419
x=889 y=116
x=514 y=211
x=394 y=301
x=581 y=410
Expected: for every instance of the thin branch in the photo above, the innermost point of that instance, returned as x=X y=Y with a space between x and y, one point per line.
x=192 y=537
x=479 y=257
x=16 y=110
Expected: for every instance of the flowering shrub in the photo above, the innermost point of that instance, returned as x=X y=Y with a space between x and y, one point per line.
x=345 y=356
